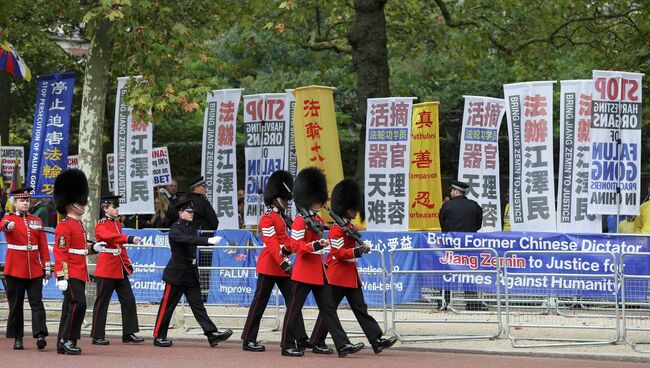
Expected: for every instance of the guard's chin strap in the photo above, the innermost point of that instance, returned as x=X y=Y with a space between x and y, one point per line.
x=82 y=210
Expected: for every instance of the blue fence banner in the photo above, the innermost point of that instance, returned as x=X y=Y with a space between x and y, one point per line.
x=48 y=154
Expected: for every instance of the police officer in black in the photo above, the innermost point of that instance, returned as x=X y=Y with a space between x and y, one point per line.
x=465 y=215
x=181 y=277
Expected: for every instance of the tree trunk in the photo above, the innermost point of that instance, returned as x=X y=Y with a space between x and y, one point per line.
x=5 y=107
x=91 y=122
x=368 y=39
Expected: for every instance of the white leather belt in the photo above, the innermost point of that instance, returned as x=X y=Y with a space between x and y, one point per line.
x=113 y=251
x=22 y=247
x=354 y=260
x=81 y=252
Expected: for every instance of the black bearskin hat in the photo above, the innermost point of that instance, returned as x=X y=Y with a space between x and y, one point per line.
x=309 y=187
x=346 y=195
x=280 y=184
x=71 y=186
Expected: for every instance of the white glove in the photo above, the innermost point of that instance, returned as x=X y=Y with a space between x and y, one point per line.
x=136 y=240
x=11 y=225
x=97 y=247
x=214 y=240
x=62 y=285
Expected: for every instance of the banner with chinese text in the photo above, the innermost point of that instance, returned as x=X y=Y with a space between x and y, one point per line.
x=425 y=187
x=316 y=134
x=291 y=159
x=530 y=131
x=132 y=149
x=218 y=159
x=388 y=129
x=573 y=180
x=478 y=162
x=48 y=155
x=265 y=147
x=615 y=143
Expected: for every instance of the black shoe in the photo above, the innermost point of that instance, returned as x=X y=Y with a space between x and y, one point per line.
x=253 y=346
x=162 y=342
x=40 y=342
x=100 y=341
x=70 y=347
x=215 y=338
x=291 y=352
x=59 y=347
x=349 y=349
x=304 y=344
x=18 y=343
x=132 y=338
x=380 y=344
x=322 y=349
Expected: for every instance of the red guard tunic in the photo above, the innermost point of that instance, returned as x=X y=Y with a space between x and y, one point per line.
x=112 y=265
x=274 y=235
x=308 y=267
x=27 y=250
x=70 y=250
x=341 y=261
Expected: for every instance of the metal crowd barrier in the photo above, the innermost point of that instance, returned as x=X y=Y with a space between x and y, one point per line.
x=635 y=290
x=563 y=319
x=425 y=322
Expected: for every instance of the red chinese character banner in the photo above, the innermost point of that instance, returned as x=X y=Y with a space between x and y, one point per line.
x=575 y=157
x=218 y=159
x=132 y=148
x=388 y=130
x=479 y=156
x=615 y=138
x=425 y=187
x=530 y=130
x=266 y=133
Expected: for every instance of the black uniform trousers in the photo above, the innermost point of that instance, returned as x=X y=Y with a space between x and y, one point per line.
x=263 y=291
x=324 y=300
x=105 y=288
x=358 y=305
x=73 y=310
x=16 y=288
x=170 y=300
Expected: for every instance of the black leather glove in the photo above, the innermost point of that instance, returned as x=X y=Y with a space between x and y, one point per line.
x=317 y=245
x=286 y=266
x=130 y=268
x=357 y=252
x=285 y=251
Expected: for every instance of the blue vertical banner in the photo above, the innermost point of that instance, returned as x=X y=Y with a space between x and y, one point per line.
x=49 y=147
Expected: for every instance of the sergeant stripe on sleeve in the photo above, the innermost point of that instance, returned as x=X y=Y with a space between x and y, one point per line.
x=337 y=243
x=268 y=231
x=297 y=235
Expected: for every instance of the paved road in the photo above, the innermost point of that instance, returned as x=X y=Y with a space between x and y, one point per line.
x=188 y=354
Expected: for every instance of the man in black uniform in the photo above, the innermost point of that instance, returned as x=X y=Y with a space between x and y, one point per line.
x=181 y=277
x=206 y=219
x=464 y=215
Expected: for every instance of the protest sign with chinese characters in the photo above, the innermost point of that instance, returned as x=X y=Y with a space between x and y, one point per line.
x=615 y=143
x=218 y=160
x=132 y=149
x=529 y=107
x=48 y=155
x=478 y=162
x=425 y=188
x=291 y=160
x=388 y=128
x=573 y=181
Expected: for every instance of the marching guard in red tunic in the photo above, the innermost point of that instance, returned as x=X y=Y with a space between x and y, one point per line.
x=112 y=273
x=307 y=241
x=342 y=273
x=27 y=262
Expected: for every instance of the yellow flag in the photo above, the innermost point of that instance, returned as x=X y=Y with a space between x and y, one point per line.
x=316 y=134
x=425 y=186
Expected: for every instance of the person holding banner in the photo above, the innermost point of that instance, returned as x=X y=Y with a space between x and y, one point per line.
x=273 y=265
x=112 y=271
x=181 y=277
x=347 y=201
x=27 y=263
x=70 y=250
x=308 y=242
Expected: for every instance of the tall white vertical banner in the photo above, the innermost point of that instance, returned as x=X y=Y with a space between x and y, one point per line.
x=530 y=129
x=575 y=157
x=132 y=148
x=388 y=132
x=218 y=160
x=615 y=143
x=265 y=147
x=479 y=156
x=291 y=160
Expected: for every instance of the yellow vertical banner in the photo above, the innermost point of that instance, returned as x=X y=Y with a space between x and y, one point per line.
x=425 y=186
x=316 y=134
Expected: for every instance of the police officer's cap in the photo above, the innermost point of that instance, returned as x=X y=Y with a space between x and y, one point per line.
x=185 y=206
x=459 y=185
x=114 y=200
x=196 y=182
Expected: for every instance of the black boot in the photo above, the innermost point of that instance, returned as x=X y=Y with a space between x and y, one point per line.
x=162 y=342
x=18 y=343
x=40 y=342
x=304 y=344
x=380 y=344
x=59 y=347
x=100 y=341
x=132 y=338
x=349 y=349
x=70 y=347
x=322 y=349
x=292 y=352
x=215 y=338
x=253 y=346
